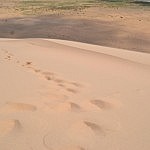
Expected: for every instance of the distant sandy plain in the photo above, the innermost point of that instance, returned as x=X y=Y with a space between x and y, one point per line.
x=119 y=27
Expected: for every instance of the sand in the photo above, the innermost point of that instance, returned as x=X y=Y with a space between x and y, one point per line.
x=63 y=95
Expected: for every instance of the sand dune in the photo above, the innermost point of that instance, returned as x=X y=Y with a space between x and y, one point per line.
x=63 y=95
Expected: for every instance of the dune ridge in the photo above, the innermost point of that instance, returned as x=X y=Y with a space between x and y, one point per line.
x=129 y=55
x=66 y=95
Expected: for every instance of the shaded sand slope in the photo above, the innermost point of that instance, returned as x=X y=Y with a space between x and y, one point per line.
x=120 y=28
x=60 y=95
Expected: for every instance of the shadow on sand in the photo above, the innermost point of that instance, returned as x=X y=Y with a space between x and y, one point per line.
x=82 y=30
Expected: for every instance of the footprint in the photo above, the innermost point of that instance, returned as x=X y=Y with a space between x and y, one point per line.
x=66 y=106
x=48 y=78
x=48 y=75
x=74 y=106
x=71 y=90
x=61 y=85
x=8 y=57
x=101 y=104
x=59 y=81
x=15 y=107
x=94 y=127
x=76 y=84
x=86 y=129
x=8 y=126
x=28 y=63
x=37 y=70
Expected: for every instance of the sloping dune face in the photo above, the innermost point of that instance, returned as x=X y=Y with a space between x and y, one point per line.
x=63 y=95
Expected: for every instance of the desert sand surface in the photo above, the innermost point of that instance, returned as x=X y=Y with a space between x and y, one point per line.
x=63 y=95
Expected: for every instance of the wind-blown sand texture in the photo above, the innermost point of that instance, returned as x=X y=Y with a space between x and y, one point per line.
x=63 y=95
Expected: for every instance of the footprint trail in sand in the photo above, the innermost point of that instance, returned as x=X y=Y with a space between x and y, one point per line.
x=77 y=128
